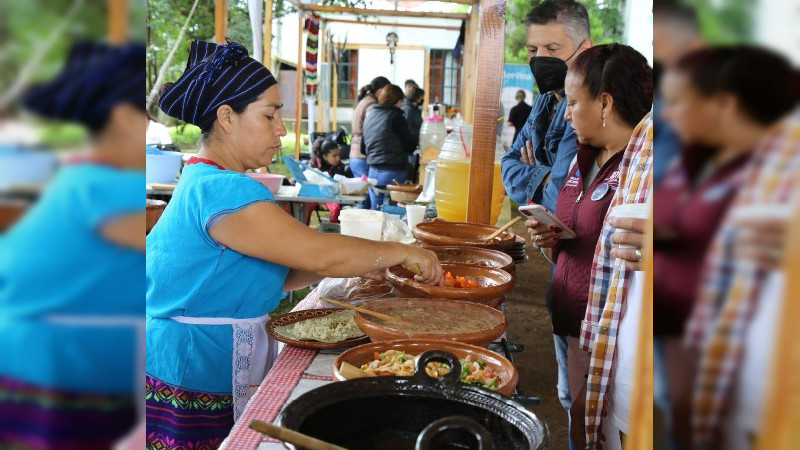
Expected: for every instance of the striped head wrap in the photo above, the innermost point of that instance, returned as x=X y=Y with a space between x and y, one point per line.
x=215 y=75
x=95 y=78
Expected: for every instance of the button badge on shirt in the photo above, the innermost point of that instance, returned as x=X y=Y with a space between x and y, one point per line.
x=600 y=192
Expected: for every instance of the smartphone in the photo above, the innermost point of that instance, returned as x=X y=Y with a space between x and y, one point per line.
x=542 y=215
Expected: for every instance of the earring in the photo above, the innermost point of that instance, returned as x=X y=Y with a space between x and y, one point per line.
x=604 y=122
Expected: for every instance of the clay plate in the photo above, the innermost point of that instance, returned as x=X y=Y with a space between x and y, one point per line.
x=296 y=316
x=363 y=354
x=442 y=233
x=378 y=330
x=493 y=284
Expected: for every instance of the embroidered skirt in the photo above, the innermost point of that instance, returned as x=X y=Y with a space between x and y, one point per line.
x=182 y=419
x=33 y=417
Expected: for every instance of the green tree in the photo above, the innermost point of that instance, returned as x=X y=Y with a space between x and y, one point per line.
x=605 y=23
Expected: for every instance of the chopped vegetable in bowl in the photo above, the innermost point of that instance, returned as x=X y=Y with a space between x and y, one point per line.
x=474 y=369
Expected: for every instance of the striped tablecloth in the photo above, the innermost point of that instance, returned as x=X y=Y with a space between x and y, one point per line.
x=289 y=373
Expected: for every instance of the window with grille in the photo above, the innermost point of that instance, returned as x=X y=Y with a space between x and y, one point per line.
x=445 y=78
x=348 y=77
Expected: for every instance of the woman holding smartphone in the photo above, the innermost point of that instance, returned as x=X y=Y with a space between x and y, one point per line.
x=609 y=90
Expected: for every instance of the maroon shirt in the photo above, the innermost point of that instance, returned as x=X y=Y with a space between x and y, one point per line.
x=583 y=212
x=686 y=217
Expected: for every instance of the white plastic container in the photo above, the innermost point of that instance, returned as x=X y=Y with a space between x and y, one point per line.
x=415 y=214
x=163 y=168
x=362 y=223
x=25 y=167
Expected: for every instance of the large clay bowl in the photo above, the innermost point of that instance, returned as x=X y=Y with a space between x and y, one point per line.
x=474 y=256
x=363 y=354
x=442 y=233
x=154 y=210
x=493 y=284
x=10 y=212
x=490 y=325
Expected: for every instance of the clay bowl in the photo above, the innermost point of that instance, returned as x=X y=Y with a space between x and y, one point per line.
x=154 y=210
x=363 y=354
x=474 y=256
x=433 y=319
x=409 y=188
x=11 y=211
x=462 y=234
x=492 y=284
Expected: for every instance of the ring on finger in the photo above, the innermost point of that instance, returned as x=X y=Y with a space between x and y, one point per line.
x=638 y=254
x=538 y=238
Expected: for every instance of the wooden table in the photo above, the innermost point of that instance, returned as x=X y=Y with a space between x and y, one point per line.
x=298 y=205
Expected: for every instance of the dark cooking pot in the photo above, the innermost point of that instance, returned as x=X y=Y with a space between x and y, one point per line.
x=389 y=413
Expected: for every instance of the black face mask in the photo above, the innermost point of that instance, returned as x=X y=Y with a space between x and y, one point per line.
x=657 y=72
x=550 y=72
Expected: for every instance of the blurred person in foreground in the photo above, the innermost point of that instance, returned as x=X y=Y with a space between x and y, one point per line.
x=722 y=110
x=676 y=32
x=222 y=254
x=743 y=294
x=609 y=331
x=609 y=90
x=71 y=270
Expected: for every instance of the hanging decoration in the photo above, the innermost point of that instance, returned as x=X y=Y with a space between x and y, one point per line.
x=312 y=49
x=391 y=42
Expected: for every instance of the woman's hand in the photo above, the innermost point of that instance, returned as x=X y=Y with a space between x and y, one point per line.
x=427 y=263
x=761 y=241
x=629 y=231
x=544 y=236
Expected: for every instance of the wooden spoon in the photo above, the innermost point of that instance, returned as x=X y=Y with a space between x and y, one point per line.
x=503 y=228
x=368 y=312
x=291 y=436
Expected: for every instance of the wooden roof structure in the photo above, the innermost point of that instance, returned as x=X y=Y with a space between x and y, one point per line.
x=483 y=48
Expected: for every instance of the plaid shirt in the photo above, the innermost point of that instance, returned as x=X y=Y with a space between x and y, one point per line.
x=609 y=281
x=731 y=287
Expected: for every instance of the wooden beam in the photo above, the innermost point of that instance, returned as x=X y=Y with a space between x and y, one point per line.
x=427 y=82
x=399 y=25
x=298 y=114
x=781 y=414
x=487 y=103
x=641 y=402
x=335 y=99
x=267 y=59
x=357 y=46
x=382 y=12
x=117 y=21
x=469 y=66
x=220 y=20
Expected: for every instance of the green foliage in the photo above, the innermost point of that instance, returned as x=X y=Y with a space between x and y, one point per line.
x=605 y=23
x=61 y=135
x=185 y=136
x=725 y=21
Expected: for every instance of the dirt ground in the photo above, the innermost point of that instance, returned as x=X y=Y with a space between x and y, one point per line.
x=529 y=324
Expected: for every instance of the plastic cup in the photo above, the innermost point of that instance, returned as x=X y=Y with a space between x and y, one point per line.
x=630 y=211
x=415 y=214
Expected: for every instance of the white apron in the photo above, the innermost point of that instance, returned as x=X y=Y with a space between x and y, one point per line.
x=254 y=352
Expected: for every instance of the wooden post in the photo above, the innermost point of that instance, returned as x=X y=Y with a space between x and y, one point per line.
x=427 y=82
x=320 y=60
x=781 y=411
x=469 y=66
x=335 y=100
x=298 y=114
x=220 y=20
x=487 y=103
x=641 y=403
x=117 y=21
x=267 y=44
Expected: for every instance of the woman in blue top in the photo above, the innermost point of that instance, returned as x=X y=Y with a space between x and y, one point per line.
x=71 y=269
x=222 y=253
